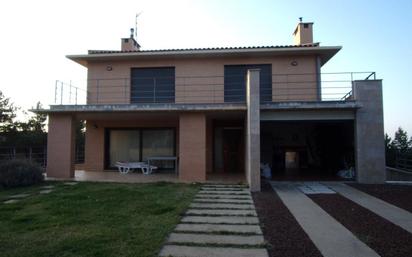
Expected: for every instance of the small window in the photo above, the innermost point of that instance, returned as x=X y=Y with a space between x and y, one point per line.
x=306 y=26
x=126 y=40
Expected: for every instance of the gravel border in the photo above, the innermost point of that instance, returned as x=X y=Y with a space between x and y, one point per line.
x=384 y=237
x=282 y=232
x=398 y=195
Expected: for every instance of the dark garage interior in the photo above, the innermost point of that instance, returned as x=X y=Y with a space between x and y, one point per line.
x=307 y=150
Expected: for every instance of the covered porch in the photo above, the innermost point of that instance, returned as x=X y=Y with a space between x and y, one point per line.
x=202 y=143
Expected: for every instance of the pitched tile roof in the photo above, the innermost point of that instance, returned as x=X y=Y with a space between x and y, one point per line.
x=202 y=49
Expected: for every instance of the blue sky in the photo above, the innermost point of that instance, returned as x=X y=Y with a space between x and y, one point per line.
x=36 y=35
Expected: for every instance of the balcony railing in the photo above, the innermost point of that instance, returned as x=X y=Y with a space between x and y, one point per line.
x=210 y=89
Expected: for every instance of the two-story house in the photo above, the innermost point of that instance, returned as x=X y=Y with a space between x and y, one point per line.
x=223 y=111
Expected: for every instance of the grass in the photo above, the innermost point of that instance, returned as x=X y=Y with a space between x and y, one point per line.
x=92 y=219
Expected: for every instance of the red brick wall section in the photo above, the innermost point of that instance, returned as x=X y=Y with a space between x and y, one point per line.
x=60 y=146
x=192 y=147
x=94 y=147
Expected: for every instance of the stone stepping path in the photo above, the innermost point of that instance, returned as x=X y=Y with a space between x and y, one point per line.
x=11 y=201
x=208 y=212
x=222 y=200
x=47 y=187
x=222 y=206
x=46 y=191
x=198 y=251
x=228 y=192
x=221 y=219
x=70 y=183
x=212 y=196
x=215 y=239
x=19 y=196
x=221 y=222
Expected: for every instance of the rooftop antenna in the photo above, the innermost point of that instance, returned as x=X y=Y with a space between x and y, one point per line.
x=135 y=23
x=300 y=19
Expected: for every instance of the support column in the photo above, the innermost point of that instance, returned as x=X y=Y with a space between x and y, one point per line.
x=192 y=147
x=94 y=147
x=253 y=129
x=60 y=146
x=369 y=132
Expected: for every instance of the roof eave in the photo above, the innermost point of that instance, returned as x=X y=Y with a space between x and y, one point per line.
x=325 y=53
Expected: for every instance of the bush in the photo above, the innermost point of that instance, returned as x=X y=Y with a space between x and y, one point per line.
x=16 y=173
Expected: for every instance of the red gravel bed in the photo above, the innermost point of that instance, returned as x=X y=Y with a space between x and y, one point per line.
x=398 y=195
x=384 y=237
x=280 y=229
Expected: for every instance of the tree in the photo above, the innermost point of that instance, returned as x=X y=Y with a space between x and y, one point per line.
x=38 y=121
x=390 y=151
x=401 y=142
x=7 y=114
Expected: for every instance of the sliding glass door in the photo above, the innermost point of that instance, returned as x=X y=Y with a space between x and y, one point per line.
x=135 y=145
x=124 y=146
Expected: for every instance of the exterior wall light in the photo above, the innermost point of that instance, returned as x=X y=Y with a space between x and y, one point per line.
x=109 y=68
x=294 y=63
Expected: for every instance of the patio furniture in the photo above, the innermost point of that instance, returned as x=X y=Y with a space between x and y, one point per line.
x=163 y=158
x=125 y=167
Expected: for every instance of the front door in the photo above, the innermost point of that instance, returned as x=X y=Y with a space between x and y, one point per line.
x=233 y=150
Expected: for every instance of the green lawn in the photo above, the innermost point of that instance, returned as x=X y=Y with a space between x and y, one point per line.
x=92 y=219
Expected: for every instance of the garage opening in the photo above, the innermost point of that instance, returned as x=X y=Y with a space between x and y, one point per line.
x=308 y=150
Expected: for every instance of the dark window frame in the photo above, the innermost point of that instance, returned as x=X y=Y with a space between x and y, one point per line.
x=265 y=90
x=140 y=129
x=134 y=86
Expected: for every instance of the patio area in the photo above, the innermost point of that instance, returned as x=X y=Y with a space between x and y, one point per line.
x=114 y=176
x=138 y=177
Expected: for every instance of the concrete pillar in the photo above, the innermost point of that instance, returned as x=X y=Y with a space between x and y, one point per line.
x=253 y=129
x=369 y=132
x=192 y=147
x=60 y=146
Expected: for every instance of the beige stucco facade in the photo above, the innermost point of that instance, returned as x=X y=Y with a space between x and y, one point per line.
x=201 y=80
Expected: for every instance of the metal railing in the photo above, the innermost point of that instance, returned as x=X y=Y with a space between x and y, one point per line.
x=36 y=155
x=66 y=93
x=210 y=89
x=33 y=154
x=404 y=162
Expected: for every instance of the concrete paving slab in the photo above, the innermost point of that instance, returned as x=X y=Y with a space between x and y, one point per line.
x=222 y=185
x=214 y=200
x=214 y=196
x=390 y=212
x=330 y=237
x=216 y=239
x=220 y=219
x=46 y=191
x=11 y=201
x=221 y=212
x=222 y=192
x=18 y=196
x=193 y=251
x=209 y=228
x=222 y=206
x=70 y=183
x=47 y=187
x=315 y=189
x=223 y=188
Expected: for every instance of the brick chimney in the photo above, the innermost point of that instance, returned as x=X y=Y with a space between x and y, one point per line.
x=130 y=44
x=303 y=33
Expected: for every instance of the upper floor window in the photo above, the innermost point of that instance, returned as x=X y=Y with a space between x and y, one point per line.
x=152 y=85
x=235 y=82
